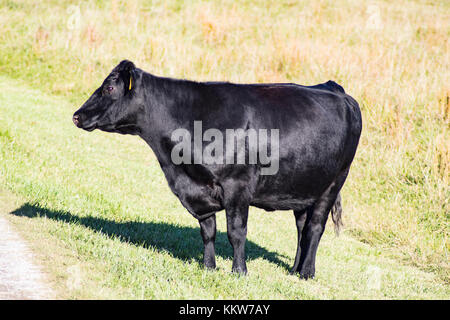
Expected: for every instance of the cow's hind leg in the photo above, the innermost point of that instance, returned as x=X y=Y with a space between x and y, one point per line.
x=300 y=219
x=208 y=232
x=315 y=226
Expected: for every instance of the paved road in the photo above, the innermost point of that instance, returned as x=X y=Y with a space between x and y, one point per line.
x=19 y=277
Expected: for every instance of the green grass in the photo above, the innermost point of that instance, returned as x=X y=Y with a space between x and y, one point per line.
x=98 y=212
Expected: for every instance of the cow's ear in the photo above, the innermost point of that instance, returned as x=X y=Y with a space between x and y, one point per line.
x=132 y=79
x=130 y=84
x=128 y=70
x=126 y=65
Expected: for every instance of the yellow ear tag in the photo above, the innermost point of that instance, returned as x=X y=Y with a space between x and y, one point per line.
x=129 y=88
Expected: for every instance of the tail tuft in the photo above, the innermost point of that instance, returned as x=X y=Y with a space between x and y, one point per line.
x=336 y=214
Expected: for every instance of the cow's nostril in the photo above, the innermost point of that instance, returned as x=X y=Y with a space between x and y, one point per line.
x=76 y=119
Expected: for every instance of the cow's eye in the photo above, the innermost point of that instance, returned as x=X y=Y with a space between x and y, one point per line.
x=109 y=89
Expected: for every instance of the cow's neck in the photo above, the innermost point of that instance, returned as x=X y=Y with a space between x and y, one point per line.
x=169 y=104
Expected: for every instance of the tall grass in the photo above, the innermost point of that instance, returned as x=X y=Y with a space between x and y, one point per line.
x=393 y=57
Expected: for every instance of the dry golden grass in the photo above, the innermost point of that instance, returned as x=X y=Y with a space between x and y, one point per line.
x=393 y=57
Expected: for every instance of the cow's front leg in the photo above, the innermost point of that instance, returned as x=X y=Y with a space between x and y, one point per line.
x=237 y=233
x=208 y=232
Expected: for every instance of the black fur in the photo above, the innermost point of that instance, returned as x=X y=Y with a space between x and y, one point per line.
x=319 y=129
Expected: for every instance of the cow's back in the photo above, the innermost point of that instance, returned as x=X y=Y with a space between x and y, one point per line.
x=319 y=130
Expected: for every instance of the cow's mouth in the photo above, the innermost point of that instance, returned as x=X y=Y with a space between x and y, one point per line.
x=90 y=128
x=106 y=127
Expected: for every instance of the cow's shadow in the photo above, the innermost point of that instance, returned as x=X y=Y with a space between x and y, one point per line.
x=181 y=242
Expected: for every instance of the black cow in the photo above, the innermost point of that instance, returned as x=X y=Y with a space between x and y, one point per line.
x=319 y=129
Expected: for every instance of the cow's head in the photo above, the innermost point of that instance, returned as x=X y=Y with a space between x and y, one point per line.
x=114 y=106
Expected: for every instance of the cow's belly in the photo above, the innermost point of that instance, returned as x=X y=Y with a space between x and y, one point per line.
x=275 y=202
x=291 y=190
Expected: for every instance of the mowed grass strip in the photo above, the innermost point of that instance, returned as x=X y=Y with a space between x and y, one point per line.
x=97 y=210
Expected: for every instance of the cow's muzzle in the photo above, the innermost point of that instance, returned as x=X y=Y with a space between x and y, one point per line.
x=76 y=120
x=80 y=121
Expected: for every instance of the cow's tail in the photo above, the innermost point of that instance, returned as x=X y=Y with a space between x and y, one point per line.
x=336 y=214
x=333 y=86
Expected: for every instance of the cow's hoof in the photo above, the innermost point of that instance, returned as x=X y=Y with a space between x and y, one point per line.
x=210 y=266
x=239 y=270
x=305 y=275
x=293 y=272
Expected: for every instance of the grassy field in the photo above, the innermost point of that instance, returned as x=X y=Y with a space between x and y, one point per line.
x=96 y=207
